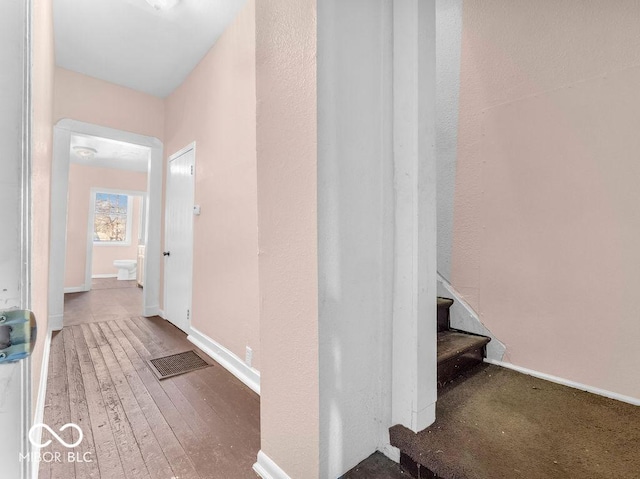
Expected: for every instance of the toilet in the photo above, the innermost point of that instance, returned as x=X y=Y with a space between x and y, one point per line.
x=126 y=268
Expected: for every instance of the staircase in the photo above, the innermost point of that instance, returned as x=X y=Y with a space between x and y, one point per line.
x=458 y=351
x=493 y=422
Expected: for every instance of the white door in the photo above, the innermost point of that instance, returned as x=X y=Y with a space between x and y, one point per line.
x=15 y=404
x=178 y=239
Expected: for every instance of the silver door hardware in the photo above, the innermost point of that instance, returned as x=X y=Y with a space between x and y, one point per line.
x=18 y=332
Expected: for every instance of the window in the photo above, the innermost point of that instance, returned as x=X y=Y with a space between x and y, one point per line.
x=112 y=219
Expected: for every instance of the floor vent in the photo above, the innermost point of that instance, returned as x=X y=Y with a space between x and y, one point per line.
x=168 y=366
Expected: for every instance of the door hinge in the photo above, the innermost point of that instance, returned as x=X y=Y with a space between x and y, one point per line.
x=18 y=331
x=191 y=170
x=188 y=313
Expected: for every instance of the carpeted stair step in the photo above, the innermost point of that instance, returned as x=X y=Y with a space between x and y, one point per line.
x=443 y=313
x=458 y=352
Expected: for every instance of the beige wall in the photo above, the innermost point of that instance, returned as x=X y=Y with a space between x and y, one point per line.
x=82 y=98
x=287 y=226
x=42 y=142
x=546 y=229
x=216 y=108
x=81 y=179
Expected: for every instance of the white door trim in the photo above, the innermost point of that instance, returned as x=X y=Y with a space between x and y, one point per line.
x=62 y=132
x=177 y=154
x=414 y=296
x=26 y=250
x=15 y=191
x=182 y=151
x=88 y=273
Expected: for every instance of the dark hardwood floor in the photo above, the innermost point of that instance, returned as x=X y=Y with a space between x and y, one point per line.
x=202 y=424
x=108 y=299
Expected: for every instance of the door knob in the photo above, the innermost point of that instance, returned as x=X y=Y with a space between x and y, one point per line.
x=166 y=253
x=17 y=335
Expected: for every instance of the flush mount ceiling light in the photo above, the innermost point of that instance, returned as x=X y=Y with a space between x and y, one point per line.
x=85 y=152
x=163 y=4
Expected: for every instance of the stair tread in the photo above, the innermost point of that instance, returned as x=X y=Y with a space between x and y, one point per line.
x=444 y=302
x=453 y=343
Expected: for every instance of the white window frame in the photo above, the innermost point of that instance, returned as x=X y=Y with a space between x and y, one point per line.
x=92 y=212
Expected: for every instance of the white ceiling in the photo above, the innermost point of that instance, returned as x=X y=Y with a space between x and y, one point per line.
x=110 y=153
x=129 y=43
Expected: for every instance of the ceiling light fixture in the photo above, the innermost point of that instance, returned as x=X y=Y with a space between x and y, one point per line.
x=85 y=152
x=163 y=4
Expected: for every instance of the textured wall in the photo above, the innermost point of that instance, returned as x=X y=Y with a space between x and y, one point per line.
x=81 y=179
x=287 y=226
x=216 y=108
x=87 y=99
x=546 y=207
x=448 y=37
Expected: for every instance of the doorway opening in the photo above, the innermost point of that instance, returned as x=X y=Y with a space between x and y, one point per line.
x=115 y=246
x=90 y=159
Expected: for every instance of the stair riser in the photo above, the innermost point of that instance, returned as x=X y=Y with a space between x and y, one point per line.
x=443 y=318
x=415 y=470
x=452 y=368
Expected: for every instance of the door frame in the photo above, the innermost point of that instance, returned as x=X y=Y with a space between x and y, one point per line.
x=16 y=138
x=88 y=273
x=177 y=154
x=62 y=132
x=414 y=353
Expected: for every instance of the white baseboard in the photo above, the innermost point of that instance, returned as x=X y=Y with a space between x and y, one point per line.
x=267 y=469
x=153 y=311
x=424 y=418
x=566 y=382
x=76 y=289
x=56 y=322
x=391 y=452
x=103 y=276
x=228 y=360
x=42 y=395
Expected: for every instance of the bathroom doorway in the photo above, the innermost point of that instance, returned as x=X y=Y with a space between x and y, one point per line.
x=115 y=235
x=106 y=209
x=119 y=174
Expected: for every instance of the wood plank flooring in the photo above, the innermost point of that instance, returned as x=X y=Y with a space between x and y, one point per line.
x=203 y=424
x=108 y=299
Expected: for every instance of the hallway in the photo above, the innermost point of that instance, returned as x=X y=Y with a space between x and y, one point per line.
x=202 y=424
x=108 y=299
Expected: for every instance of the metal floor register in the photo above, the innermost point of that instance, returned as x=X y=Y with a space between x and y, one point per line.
x=168 y=366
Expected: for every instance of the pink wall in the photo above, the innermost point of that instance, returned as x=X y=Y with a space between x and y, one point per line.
x=82 y=98
x=42 y=143
x=216 y=108
x=104 y=256
x=287 y=225
x=81 y=179
x=546 y=227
